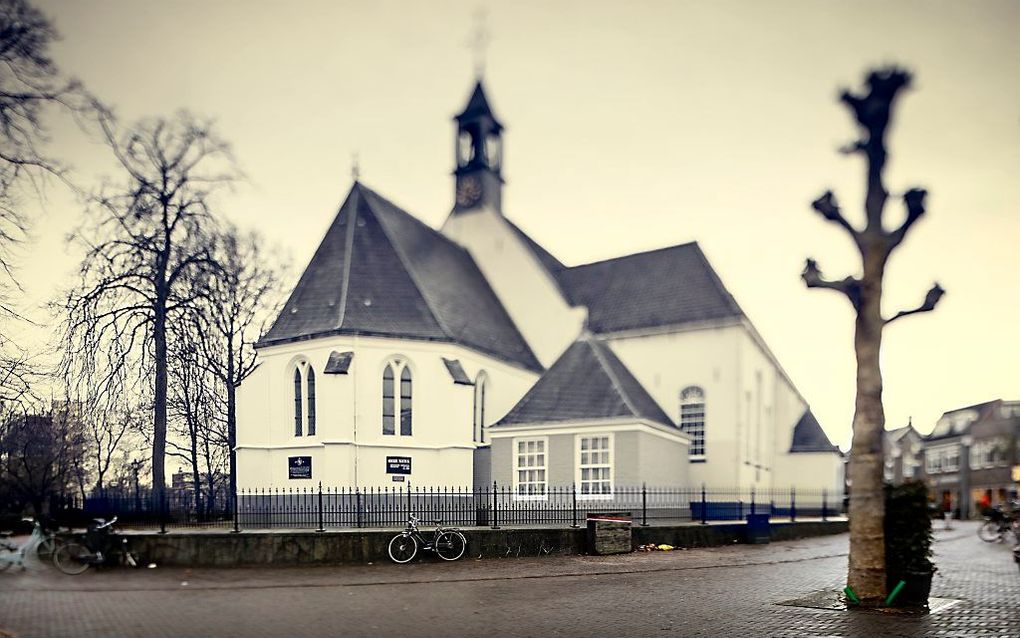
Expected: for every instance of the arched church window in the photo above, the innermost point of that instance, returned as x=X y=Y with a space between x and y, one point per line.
x=387 y=400
x=304 y=399
x=310 y=395
x=692 y=419
x=396 y=369
x=481 y=381
x=405 y=402
x=297 y=402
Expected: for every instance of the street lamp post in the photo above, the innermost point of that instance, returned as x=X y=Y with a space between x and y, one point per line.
x=965 y=443
x=136 y=467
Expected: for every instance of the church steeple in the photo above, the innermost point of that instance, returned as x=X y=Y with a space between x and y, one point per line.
x=479 y=156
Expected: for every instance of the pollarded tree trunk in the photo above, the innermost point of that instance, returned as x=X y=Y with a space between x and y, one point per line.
x=866 y=573
x=867 y=502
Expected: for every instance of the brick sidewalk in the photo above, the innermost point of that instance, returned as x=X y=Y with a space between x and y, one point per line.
x=718 y=591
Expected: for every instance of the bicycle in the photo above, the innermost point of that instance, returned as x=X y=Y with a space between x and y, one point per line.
x=998 y=525
x=447 y=542
x=12 y=554
x=74 y=558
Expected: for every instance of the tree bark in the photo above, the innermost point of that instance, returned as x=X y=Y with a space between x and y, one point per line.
x=159 y=408
x=866 y=572
x=231 y=420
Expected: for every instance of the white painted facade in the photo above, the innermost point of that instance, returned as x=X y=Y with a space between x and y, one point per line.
x=751 y=406
x=349 y=448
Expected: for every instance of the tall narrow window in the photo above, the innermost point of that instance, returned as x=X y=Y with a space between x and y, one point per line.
x=405 y=402
x=692 y=419
x=595 y=466
x=387 y=400
x=297 y=402
x=311 y=401
x=479 y=414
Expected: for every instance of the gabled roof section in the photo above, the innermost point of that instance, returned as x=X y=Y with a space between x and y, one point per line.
x=478 y=106
x=379 y=271
x=665 y=287
x=588 y=381
x=808 y=436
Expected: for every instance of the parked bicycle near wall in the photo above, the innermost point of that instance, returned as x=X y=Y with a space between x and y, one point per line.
x=74 y=557
x=12 y=554
x=998 y=525
x=448 y=542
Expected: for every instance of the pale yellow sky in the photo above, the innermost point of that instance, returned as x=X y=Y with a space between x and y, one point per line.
x=630 y=126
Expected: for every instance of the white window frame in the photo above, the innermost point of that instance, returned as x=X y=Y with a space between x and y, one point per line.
x=579 y=467
x=397 y=364
x=517 y=468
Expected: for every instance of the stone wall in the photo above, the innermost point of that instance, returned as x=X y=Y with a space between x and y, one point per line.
x=223 y=549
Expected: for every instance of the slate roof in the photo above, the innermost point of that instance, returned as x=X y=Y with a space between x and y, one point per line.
x=665 y=287
x=808 y=436
x=478 y=105
x=379 y=271
x=588 y=381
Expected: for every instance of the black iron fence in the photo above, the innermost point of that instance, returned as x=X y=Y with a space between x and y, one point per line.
x=322 y=508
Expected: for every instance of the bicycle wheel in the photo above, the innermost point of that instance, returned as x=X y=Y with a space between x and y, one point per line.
x=403 y=548
x=989 y=531
x=450 y=545
x=70 y=558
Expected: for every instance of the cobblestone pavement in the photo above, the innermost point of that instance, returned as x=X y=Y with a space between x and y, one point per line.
x=722 y=591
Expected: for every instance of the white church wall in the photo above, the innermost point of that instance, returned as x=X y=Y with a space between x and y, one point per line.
x=667 y=362
x=751 y=406
x=529 y=293
x=349 y=447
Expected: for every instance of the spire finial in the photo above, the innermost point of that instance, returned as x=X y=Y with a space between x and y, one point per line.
x=479 y=40
x=355 y=167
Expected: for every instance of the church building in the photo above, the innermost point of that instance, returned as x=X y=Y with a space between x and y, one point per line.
x=471 y=354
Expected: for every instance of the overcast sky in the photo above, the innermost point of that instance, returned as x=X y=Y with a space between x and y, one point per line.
x=630 y=126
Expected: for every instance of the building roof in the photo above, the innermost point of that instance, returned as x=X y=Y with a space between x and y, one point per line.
x=808 y=436
x=665 y=287
x=379 y=271
x=957 y=422
x=478 y=105
x=587 y=382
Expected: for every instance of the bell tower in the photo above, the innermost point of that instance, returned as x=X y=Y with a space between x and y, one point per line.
x=479 y=155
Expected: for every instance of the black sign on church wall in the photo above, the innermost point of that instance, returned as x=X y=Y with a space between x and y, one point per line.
x=299 y=467
x=398 y=465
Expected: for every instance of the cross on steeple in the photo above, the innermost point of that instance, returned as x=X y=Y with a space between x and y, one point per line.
x=355 y=167
x=479 y=41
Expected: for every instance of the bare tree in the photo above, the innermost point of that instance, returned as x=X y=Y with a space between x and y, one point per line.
x=37 y=451
x=240 y=301
x=875 y=243
x=147 y=242
x=29 y=83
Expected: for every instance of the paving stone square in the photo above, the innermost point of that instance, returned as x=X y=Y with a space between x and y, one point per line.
x=718 y=591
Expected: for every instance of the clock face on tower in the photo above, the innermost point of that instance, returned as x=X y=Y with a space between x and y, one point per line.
x=469 y=190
